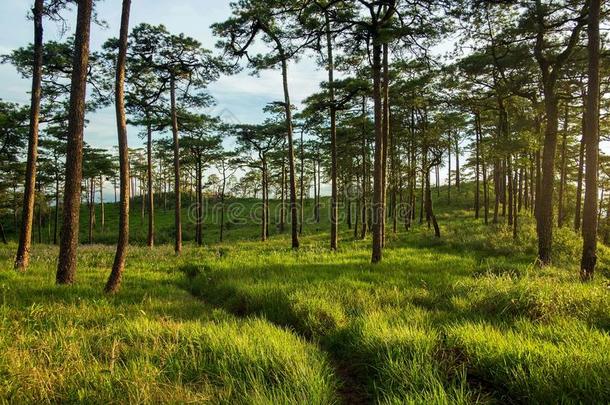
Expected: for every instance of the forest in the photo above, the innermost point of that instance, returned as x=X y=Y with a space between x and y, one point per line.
x=431 y=225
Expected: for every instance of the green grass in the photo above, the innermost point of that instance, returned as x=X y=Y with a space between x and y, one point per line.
x=464 y=319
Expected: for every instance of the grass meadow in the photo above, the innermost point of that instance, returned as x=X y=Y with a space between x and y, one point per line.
x=467 y=318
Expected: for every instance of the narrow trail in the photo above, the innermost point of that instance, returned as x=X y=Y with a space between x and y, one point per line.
x=351 y=391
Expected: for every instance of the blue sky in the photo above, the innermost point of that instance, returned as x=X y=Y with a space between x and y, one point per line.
x=241 y=96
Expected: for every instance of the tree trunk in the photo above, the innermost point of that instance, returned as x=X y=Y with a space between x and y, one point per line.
x=29 y=194
x=199 y=198
x=545 y=198
x=428 y=204
x=264 y=198
x=334 y=203
x=485 y=193
x=589 y=224
x=222 y=202
x=364 y=171
x=449 y=170
x=283 y=197
x=511 y=189
x=66 y=267
x=56 y=215
x=302 y=186
x=562 y=181
x=457 y=163
x=385 y=132
x=477 y=164
x=102 y=213
x=177 y=196
x=114 y=280
x=150 y=239
x=294 y=215
x=581 y=170
x=377 y=206
x=91 y=209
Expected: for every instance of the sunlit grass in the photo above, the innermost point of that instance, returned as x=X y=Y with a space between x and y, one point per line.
x=468 y=318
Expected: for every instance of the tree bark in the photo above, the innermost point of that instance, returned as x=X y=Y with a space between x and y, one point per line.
x=150 y=240
x=589 y=224
x=114 y=281
x=477 y=164
x=66 y=267
x=29 y=194
x=562 y=177
x=364 y=171
x=581 y=170
x=377 y=206
x=385 y=132
x=334 y=203
x=177 y=196
x=294 y=215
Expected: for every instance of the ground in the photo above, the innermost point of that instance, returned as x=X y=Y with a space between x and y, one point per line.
x=468 y=318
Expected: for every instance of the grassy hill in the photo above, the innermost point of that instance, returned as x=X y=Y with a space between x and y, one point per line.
x=467 y=318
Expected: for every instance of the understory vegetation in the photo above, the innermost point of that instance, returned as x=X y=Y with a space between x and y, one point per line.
x=463 y=319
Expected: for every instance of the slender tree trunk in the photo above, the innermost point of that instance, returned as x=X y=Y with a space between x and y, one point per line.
x=91 y=208
x=514 y=180
x=563 y=169
x=496 y=173
x=102 y=213
x=29 y=194
x=477 y=191
x=177 y=196
x=222 y=204
x=56 y=219
x=385 y=133
x=334 y=203
x=485 y=193
x=283 y=197
x=457 y=163
x=449 y=170
x=520 y=190
x=150 y=240
x=199 y=197
x=428 y=204
x=377 y=206
x=589 y=224
x=364 y=171
x=66 y=267
x=302 y=186
x=294 y=215
x=264 y=198
x=581 y=170
x=114 y=280
x=511 y=188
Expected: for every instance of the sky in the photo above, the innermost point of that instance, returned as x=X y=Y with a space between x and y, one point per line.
x=239 y=98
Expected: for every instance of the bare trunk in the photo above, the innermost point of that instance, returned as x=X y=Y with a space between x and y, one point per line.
x=581 y=170
x=66 y=267
x=377 y=206
x=177 y=196
x=29 y=194
x=545 y=198
x=562 y=181
x=294 y=215
x=150 y=240
x=477 y=164
x=114 y=281
x=334 y=203
x=589 y=224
